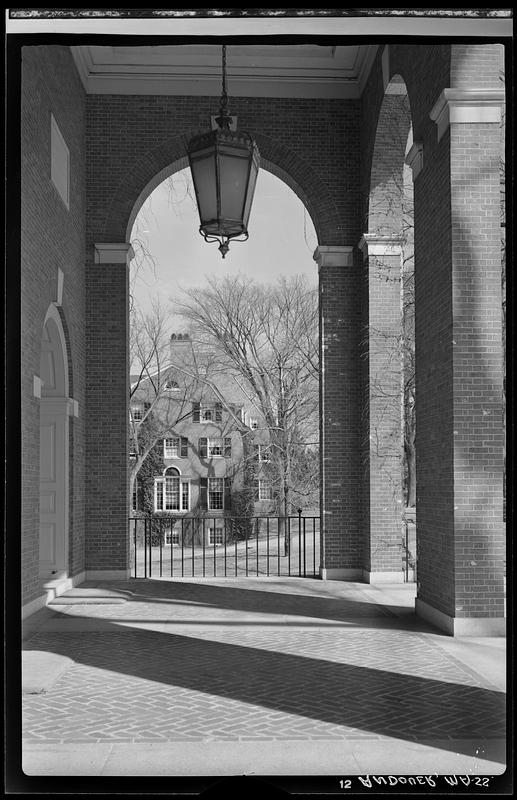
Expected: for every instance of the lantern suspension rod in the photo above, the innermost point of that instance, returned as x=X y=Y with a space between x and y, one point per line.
x=224 y=118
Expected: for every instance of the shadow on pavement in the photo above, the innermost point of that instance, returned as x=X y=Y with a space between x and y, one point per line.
x=337 y=608
x=379 y=702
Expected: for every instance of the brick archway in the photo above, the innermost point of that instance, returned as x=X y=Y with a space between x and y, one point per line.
x=171 y=156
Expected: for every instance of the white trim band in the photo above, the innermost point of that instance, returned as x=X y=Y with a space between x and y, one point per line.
x=341 y=574
x=372 y=244
x=415 y=159
x=37 y=383
x=383 y=577
x=334 y=256
x=466 y=106
x=460 y=626
x=113 y=253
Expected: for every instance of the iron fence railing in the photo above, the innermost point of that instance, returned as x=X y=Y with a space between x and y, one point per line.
x=216 y=546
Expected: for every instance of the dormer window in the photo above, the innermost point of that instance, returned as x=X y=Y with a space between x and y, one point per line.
x=207 y=412
x=262 y=452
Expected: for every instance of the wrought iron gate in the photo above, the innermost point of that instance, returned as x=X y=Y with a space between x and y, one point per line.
x=167 y=546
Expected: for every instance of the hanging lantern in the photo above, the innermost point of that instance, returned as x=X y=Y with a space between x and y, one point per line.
x=224 y=166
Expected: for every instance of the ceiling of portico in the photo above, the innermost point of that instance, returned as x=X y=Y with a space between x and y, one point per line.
x=299 y=70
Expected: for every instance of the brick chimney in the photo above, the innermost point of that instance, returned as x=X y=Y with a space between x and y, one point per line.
x=181 y=350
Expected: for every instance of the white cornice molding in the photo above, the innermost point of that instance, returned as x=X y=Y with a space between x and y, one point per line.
x=105 y=70
x=415 y=159
x=334 y=256
x=373 y=244
x=113 y=253
x=466 y=106
x=83 y=62
x=366 y=67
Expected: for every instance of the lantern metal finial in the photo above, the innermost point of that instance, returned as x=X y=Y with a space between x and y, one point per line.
x=224 y=165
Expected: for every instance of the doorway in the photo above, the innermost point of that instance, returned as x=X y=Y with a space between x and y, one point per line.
x=53 y=434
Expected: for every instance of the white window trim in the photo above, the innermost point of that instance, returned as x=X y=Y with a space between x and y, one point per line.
x=177 y=447
x=204 y=407
x=182 y=483
x=170 y=535
x=140 y=408
x=209 y=440
x=214 y=530
x=265 y=485
x=264 y=453
x=208 y=504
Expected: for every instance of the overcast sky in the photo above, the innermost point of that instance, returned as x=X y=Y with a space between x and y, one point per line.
x=281 y=240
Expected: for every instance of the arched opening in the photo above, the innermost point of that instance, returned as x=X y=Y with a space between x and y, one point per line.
x=53 y=434
x=228 y=444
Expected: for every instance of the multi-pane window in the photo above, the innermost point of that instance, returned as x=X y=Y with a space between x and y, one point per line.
x=171 y=447
x=215 y=493
x=171 y=493
x=172 y=386
x=138 y=411
x=216 y=535
x=265 y=490
x=262 y=452
x=253 y=423
x=214 y=446
x=172 y=536
x=175 y=447
x=207 y=412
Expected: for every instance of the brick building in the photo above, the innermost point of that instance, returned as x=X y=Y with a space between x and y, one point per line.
x=97 y=137
x=213 y=442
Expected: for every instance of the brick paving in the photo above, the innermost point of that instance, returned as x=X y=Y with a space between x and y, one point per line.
x=252 y=661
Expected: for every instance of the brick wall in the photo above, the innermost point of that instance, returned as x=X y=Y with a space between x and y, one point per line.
x=306 y=139
x=316 y=146
x=477 y=358
x=342 y=480
x=52 y=237
x=458 y=336
x=131 y=140
x=107 y=341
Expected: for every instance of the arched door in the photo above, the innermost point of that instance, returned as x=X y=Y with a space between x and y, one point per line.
x=53 y=526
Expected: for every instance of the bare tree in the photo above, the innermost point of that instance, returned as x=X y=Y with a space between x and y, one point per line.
x=154 y=409
x=266 y=336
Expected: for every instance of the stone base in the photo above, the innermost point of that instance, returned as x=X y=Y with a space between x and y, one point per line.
x=50 y=590
x=341 y=574
x=108 y=574
x=461 y=626
x=383 y=577
x=35 y=605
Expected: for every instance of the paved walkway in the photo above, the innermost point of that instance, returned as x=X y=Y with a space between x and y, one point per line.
x=271 y=676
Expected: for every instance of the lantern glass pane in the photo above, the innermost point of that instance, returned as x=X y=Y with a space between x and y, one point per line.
x=251 y=191
x=203 y=175
x=233 y=176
